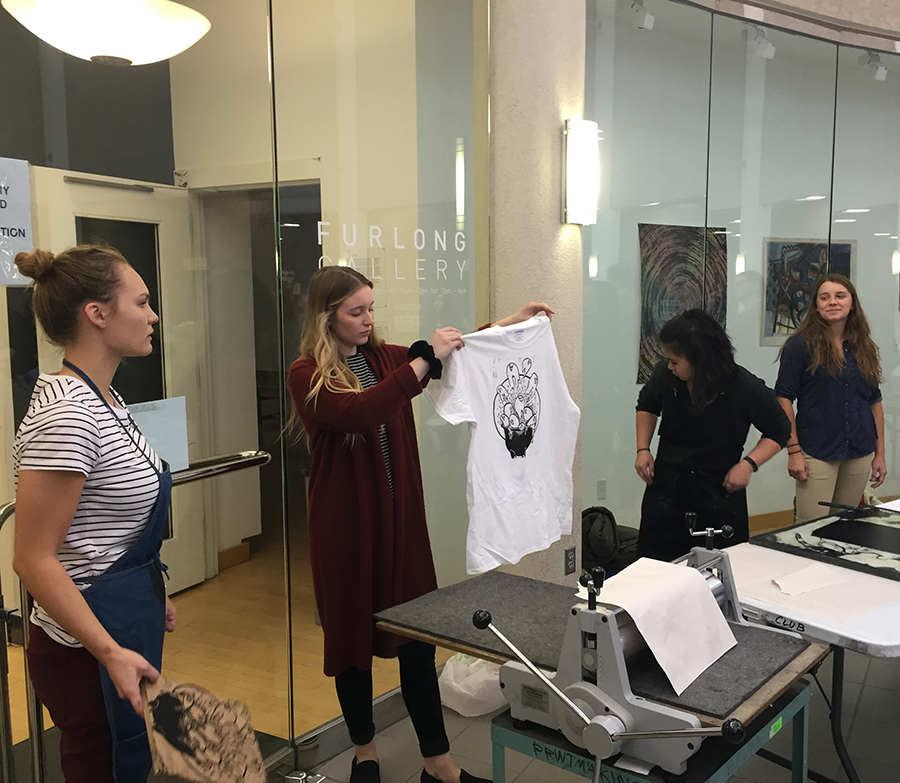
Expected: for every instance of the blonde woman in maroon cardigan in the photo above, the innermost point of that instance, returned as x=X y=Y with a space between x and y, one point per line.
x=368 y=541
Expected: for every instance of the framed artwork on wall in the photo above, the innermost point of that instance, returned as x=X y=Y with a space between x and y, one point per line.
x=681 y=267
x=792 y=268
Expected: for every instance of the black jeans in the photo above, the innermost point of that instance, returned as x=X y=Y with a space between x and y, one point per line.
x=664 y=535
x=419 y=686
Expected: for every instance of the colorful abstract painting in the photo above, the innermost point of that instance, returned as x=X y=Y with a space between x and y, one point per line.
x=681 y=267
x=792 y=268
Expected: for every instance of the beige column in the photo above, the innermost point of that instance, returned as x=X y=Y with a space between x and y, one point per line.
x=537 y=82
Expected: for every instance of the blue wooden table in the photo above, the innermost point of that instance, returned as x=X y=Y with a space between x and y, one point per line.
x=715 y=762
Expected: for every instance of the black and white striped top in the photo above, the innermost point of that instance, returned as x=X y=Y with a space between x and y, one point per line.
x=67 y=427
x=363 y=370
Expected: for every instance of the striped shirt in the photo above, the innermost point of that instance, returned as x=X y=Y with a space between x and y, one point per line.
x=363 y=370
x=67 y=427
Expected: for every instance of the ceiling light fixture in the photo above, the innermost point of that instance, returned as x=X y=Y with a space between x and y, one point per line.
x=643 y=19
x=854 y=211
x=810 y=198
x=112 y=32
x=873 y=62
x=758 y=39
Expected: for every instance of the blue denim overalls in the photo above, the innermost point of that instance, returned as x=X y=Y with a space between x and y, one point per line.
x=129 y=600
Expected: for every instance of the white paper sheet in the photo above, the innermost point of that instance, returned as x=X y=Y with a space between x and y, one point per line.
x=164 y=425
x=809 y=578
x=631 y=764
x=677 y=615
x=754 y=567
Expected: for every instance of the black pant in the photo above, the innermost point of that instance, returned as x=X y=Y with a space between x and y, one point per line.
x=674 y=492
x=419 y=686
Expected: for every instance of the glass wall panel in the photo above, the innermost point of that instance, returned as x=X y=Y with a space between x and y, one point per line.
x=194 y=135
x=770 y=146
x=648 y=90
x=867 y=192
x=375 y=125
x=802 y=174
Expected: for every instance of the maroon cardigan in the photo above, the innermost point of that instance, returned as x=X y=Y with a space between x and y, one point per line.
x=369 y=550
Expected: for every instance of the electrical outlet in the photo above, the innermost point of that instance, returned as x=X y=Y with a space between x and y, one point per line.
x=601 y=489
x=570 y=560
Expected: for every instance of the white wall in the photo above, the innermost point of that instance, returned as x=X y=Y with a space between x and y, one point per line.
x=537 y=82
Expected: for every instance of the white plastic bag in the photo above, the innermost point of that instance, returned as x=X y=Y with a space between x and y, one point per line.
x=471 y=686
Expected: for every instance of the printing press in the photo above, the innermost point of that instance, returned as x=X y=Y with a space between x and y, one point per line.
x=584 y=669
x=590 y=698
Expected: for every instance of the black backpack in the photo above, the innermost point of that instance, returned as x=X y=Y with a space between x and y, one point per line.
x=604 y=543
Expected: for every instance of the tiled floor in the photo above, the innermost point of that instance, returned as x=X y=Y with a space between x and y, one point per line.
x=871 y=719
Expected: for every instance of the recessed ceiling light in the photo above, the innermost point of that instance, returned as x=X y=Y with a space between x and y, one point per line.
x=736 y=221
x=652 y=204
x=810 y=198
x=845 y=220
x=721 y=232
x=852 y=211
x=884 y=234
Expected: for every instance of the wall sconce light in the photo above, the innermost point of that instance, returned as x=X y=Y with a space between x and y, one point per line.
x=758 y=38
x=643 y=19
x=895 y=263
x=581 y=169
x=873 y=61
x=112 y=32
x=740 y=264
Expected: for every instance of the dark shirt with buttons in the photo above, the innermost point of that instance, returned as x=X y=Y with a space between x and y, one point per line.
x=834 y=413
x=712 y=442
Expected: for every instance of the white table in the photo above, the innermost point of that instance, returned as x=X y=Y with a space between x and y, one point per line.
x=857 y=612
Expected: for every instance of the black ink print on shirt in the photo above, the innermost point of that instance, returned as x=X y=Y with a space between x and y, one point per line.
x=517 y=407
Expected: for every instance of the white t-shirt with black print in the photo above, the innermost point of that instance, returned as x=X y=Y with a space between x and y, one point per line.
x=67 y=427
x=507 y=384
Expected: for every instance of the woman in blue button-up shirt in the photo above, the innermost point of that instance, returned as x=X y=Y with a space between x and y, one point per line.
x=830 y=366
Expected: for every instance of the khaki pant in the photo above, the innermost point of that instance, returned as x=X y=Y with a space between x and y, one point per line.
x=838 y=482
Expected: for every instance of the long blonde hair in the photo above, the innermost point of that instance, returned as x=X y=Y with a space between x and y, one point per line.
x=328 y=288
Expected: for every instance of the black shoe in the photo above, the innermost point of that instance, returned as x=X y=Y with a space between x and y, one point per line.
x=365 y=772
x=464 y=777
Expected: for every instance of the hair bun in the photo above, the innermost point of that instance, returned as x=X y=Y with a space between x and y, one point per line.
x=36 y=264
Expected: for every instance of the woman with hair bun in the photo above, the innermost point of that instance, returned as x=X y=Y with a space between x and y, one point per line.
x=707 y=403
x=368 y=540
x=92 y=501
x=830 y=366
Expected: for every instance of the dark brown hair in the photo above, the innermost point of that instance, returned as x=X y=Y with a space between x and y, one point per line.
x=64 y=283
x=699 y=338
x=817 y=333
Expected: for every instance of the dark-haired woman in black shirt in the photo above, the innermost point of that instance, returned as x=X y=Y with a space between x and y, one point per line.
x=707 y=404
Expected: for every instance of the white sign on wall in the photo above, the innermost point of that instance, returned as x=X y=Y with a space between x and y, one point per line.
x=15 y=218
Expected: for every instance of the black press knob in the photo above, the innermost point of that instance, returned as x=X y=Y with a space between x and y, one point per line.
x=727 y=531
x=481 y=619
x=733 y=731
